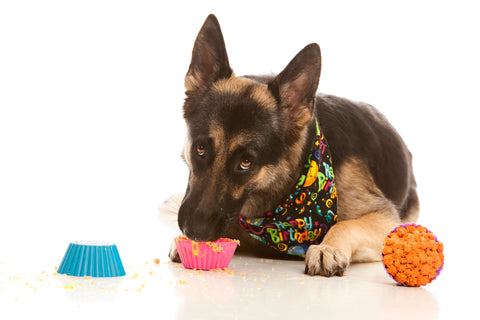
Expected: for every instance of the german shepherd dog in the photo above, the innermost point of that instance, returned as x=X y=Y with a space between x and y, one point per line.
x=247 y=140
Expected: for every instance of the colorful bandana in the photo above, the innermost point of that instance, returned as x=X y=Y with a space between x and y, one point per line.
x=307 y=213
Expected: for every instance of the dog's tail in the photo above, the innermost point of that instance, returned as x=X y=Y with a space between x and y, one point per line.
x=168 y=210
x=168 y=214
x=171 y=205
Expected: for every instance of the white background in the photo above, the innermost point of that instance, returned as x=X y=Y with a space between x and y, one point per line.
x=91 y=96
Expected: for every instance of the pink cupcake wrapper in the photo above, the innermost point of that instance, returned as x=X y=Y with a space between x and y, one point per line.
x=201 y=255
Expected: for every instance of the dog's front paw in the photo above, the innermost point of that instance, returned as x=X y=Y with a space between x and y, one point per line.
x=325 y=260
x=173 y=254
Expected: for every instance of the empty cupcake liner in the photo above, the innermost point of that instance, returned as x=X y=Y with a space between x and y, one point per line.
x=205 y=255
x=92 y=258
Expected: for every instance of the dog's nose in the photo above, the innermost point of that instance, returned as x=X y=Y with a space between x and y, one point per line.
x=198 y=226
x=197 y=235
x=194 y=236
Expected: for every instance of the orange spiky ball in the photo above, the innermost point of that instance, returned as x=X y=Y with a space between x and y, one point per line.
x=412 y=255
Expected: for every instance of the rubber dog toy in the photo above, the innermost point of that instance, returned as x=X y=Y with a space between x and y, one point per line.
x=412 y=255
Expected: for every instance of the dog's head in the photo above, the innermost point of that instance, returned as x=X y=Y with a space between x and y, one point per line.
x=245 y=138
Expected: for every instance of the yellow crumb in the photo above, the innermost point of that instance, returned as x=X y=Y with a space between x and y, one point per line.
x=182 y=281
x=156 y=261
x=195 y=249
x=70 y=287
x=216 y=247
x=229 y=271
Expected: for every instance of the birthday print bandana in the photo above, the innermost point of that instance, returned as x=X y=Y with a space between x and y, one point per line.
x=307 y=213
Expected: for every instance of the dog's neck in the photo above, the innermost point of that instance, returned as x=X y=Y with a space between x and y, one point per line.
x=306 y=214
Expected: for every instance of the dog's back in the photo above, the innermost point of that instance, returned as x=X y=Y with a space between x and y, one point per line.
x=358 y=132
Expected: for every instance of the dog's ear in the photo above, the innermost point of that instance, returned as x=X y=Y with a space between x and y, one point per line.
x=296 y=86
x=209 y=57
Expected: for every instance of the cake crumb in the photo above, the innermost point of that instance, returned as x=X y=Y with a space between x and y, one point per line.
x=156 y=261
x=216 y=247
x=228 y=271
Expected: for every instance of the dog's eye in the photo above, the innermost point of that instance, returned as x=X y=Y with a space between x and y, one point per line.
x=245 y=164
x=200 y=150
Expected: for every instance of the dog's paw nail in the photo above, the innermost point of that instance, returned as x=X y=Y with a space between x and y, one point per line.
x=326 y=261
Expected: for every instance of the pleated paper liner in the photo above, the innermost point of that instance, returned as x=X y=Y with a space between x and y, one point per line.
x=207 y=255
x=92 y=258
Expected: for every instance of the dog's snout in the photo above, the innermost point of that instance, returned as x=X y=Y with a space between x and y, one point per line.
x=198 y=235
x=200 y=224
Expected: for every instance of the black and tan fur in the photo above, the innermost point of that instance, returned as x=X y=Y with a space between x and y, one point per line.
x=248 y=138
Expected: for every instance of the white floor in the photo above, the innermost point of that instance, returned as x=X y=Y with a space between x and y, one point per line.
x=251 y=288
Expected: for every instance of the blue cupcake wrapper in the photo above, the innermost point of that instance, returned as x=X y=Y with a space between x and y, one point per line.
x=94 y=259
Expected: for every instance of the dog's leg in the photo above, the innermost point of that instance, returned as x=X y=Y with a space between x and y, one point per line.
x=173 y=253
x=357 y=240
x=169 y=215
x=366 y=216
